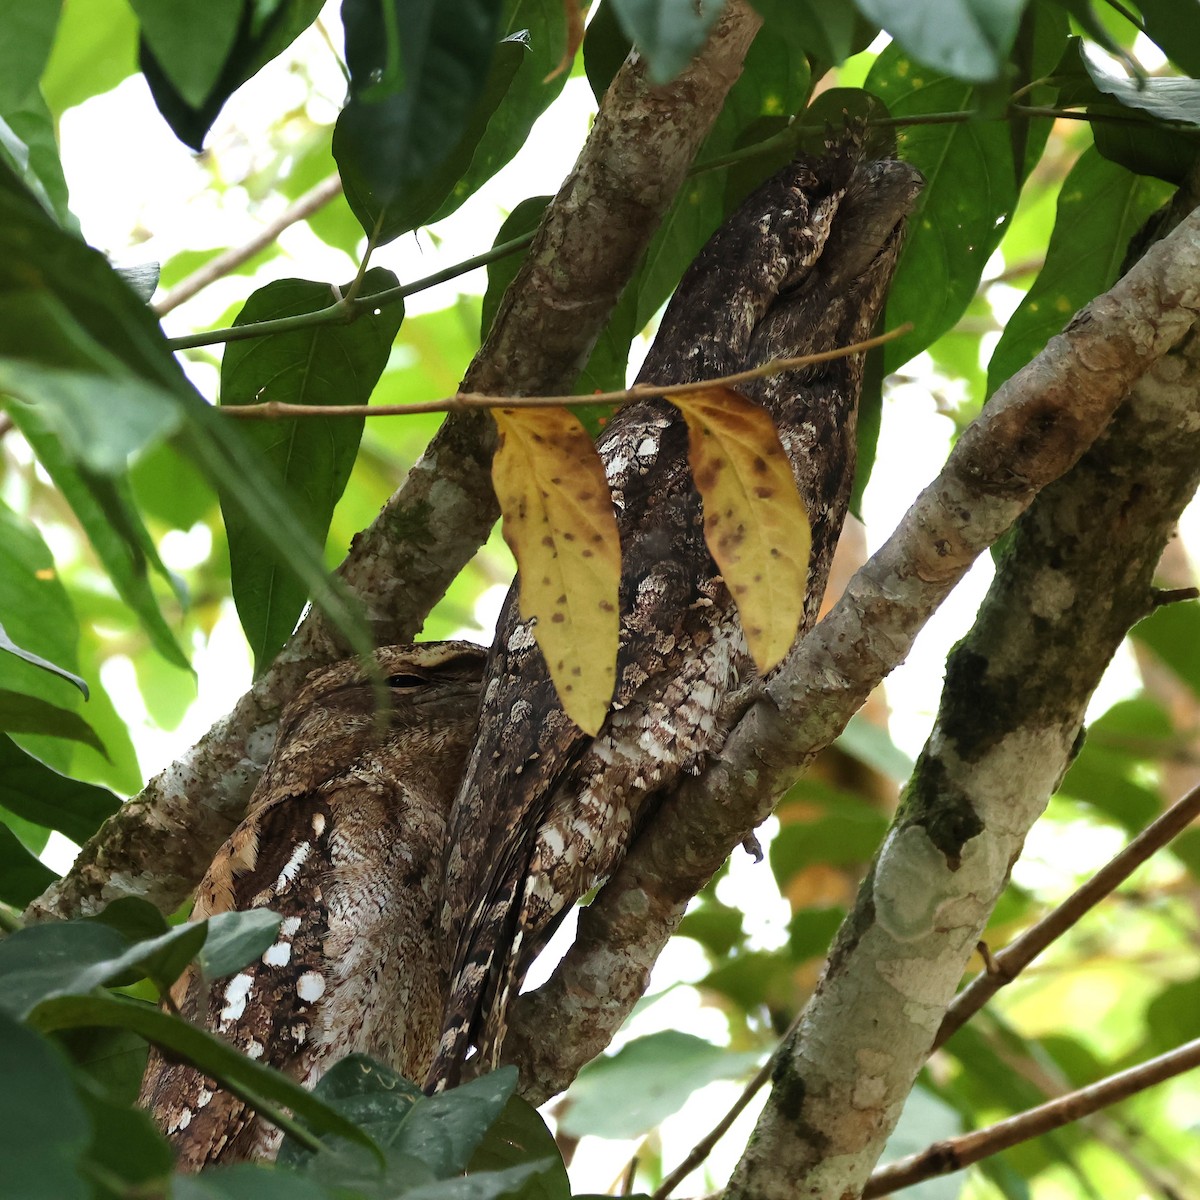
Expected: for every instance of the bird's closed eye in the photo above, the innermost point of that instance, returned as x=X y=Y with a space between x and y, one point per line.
x=406 y=681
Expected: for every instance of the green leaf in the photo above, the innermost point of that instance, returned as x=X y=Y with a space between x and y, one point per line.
x=44 y=1129
x=966 y=39
x=114 y=1059
x=829 y=31
x=22 y=876
x=520 y=1136
x=309 y=458
x=442 y=1131
x=522 y=220
x=970 y=191
x=73 y=957
x=1175 y=26
x=488 y=1185
x=246 y=1182
x=811 y=932
x=647 y=1080
x=924 y=1121
x=849 y=831
x=6 y=643
x=1168 y=98
x=246 y=1078
x=33 y=791
x=28 y=35
x=411 y=99
x=126 y=1144
x=668 y=32
x=95 y=48
x=265 y=31
x=717 y=927
x=235 y=939
x=1101 y=206
x=28 y=714
x=191 y=41
x=29 y=144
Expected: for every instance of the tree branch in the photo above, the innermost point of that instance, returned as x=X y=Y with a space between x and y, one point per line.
x=1030 y=433
x=1005 y=966
x=590 y=240
x=956 y=1153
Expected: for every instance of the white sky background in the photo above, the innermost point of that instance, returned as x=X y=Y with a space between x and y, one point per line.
x=141 y=196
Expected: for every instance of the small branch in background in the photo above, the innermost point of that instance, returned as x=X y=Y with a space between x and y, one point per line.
x=312 y=200
x=6 y=424
x=465 y=401
x=1162 y=596
x=1006 y=965
x=954 y=1154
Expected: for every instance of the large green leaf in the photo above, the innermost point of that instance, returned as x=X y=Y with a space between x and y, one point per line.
x=25 y=46
x=20 y=713
x=246 y=1182
x=248 y=1079
x=412 y=99
x=94 y=49
x=37 y=793
x=970 y=191
x=265 y=31
x=22 y=876
x=647 y=1080
x=1175 y=26
x=44 y=1129
x=29 y=144
x=235 y=939
x=668 y=32
x=966 y=39
x=126 y=1145
x=519 y=1137
x=191 y=41
x=309 y=458
x=1172 y=631
x=1101 y=206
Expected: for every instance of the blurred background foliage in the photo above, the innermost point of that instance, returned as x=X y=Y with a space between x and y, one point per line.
x=122 y=577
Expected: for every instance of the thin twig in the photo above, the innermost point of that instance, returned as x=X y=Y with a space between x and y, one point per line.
x=1014 y=958
x=229 y=260
x=703 y=1148
x=955 y=1153
x=344 y=311
x=274 y=410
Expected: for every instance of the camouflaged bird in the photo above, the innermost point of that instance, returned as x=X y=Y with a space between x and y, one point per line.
x=545 y=811
x=344 y=839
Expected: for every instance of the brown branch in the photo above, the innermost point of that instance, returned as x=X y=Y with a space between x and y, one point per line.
x=956 y=1153
x=470 y=401
x=1032 y=431
x=229 y=260
x=591 y=239
x=1014 y=958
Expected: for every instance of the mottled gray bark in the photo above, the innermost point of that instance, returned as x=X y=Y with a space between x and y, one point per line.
x=158 y=845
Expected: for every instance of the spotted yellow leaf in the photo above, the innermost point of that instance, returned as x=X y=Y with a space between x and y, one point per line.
x=755 y=523
x=558 y=519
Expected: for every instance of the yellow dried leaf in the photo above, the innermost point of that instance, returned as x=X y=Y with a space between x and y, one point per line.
x=755 y=523
x=558 y=519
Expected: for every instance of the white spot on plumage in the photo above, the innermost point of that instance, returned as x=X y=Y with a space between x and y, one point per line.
x=288 y=927
x=292 y=866
x=310 y=987
x=203 y=1098
x=236 y=991
x=278 y=955
x=318 y=823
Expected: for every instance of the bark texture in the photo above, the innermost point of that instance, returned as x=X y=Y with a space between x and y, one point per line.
x=158 y=845
x=1033 y=430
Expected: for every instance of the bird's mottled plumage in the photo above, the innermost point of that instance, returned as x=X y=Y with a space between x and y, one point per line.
x=344 y=840
x=545 y=811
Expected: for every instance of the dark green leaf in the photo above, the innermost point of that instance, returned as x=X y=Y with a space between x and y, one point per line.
x=44 y=1129
x=32 y=790
x=246 y=1182
x=1168 y=98
x=522 y=220
x=73 y=957
x=646 y=1081
x=1175 y=26
x=717 y=927
x=29 y=714
x=1101 y=206
x=137 y=919
x=520 y=1136
x=259 y=39
x=849 y=831
x=528 y=96
x=668 y=32
x=114 y=1059
x=605 y=48
x=811 y=932
x=828 y=30
x=310 y=458
x=191 y=41
x=22 y=877
x=126 y=1144
x=235 y=939
x=411 y=98
x=25 y=46
x=248 y=1079
x=966 y=39
x=489 y=1185
x=30 y=146
x=6 y=643
x=970 y=191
